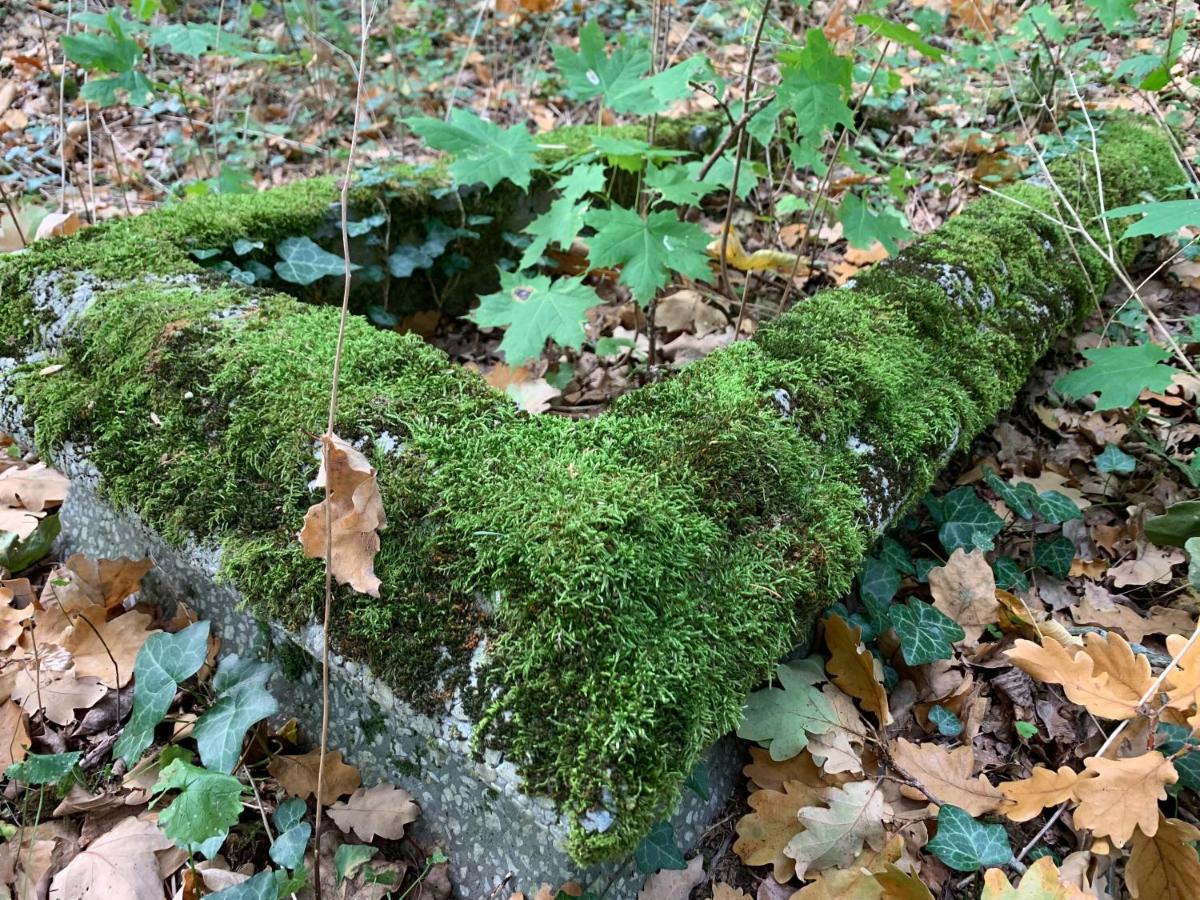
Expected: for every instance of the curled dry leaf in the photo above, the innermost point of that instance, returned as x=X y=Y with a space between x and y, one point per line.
x=854 y=669
x=1099 y=608
x=947 y=775
x=1164 y=866
x=1106 y=676
x=965 y=590
x=1152 y=567
x=102 y=582
x=14 y=734
x=355 y=510
x=1042 y=788
x=57 y=694
x=383 y=810
x=297 y=775
x=1117 y=796
x=106 y=649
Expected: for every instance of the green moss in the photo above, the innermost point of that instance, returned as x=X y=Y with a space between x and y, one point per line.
x=634 y=575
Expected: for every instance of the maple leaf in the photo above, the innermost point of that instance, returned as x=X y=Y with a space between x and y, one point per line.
x=535 y=309
x=647 y=250
x=834 y=834
x=118 y=863
x=854 y=669
x=559 y=225
x=784 y=717
x=1106 y=676
x=483 y=151
x=965 y=590
x=1161 y=217
x=1118 y=375
x=357 y=515
x=1164 y=866
x=1117 y=796
x=1042 y=788
x=297 y=774
x=864 y=227
x=383 y=810
x=947 y=775
x=1041 y=881
x=764 y=833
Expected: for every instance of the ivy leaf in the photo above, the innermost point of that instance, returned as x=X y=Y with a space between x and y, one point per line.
x=899 y=34
x=207 y=806
x=242 y=700
x=350 y=858
x=535 y=309
x=1118 y=374
x=164 y=661
x=1172 y=739
x=43 y=768
x=948 y=724
x=1056 y=508
x=289 y=814
x=967 y=845
x=1009 y=574
x=560 y=224
x=302 y=262
x=1114 y=459
x=967 y=522
x=864 y=227
x=1176 y=526
x=926 y=633
x=892 y=552
x=658 y=850
x=263 y=886
x=288 y=848
x=1159 y=218
x=877 y=585
x=1055 y=555
x=782 y=718
x=647 y=250
x=1020 y=497
x=483 y=151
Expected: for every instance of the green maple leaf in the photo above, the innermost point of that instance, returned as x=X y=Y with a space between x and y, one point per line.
x=164 y=661
x=483 y=151
x=189 y=39
x=104 y=52
x=559 y=225
x=535 y=309
x=1163 y=217
x=207 y=806
x=677 y=184
x=899 y=34
x=782 y=718
x=965 y=521
x=647 y=250
x=863 y=226
x=242 y=700
x=1055 y=555
x=926 y=633
x=1118 y=375
x=966 y=845
x=1113 y=13
x=581 y=181
x=818 y=61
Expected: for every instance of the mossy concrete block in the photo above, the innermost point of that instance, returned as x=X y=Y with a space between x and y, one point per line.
x=592 y=600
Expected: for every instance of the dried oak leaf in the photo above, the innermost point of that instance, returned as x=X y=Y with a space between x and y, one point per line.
x=355 y=512
x=1183 y=682
x=948 y=775
x=1164 y=866
x=103 y=582
x=1106 y=676
x=1099 y=608
x=768 y=774
x=1042 y=788
x=764 y=833
x=1118 y=796
x=723 y=891
x=106 y=649
x=12 y=620
x=383 y=810
x=1041 y=881
x=674 y=884
x=834 y=834
x=32 y=488
x=854 y=669
x=839 y=750
x=119 y=863
x=297 y=774
x=856 y=881
x=965 y=590
x=14 y=734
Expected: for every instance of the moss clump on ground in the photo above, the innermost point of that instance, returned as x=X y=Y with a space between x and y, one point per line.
x=643 y=570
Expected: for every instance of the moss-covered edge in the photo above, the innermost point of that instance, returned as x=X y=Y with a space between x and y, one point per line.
x=635 y=575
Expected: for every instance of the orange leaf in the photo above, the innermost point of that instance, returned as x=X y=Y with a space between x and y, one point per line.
x=965 y=590
x=1041 y=881
x=1122 y=795
x=1041 y=789
x=1105 y=676
x=764 y=833
x=854 y=669
x=298 y=775
x=947 y=775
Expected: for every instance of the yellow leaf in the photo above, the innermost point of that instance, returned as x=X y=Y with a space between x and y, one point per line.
x=1164 y=866
x=899 y=885
x=947 y=775
x=1183 y=684
x=854 y=669
x=357 y=516
x=856 y=881
x=736 y=256
x=1117 y=796
x=1041 y=881
x=1041 y=789
x=722 y=891
x=1106 y=676
x=764 y=833
x=965 y=590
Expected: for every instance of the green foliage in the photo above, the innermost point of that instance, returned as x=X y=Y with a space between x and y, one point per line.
x=289 y=845
x=782 y=718
x=659 y=850
x=967 y=845
x=260 y=886
x=208 y=804
x=301 y=261
x=1025 y=729
x=1009 y=574
x=964 y=521
x=350 y=858
x=483 y=151
x=1115 y=460
x=1113 y=14
x=899 y=34
x=1118 y=375
x=926 y=633
x=877 y=585
x=242 y=700
x=164 y=661
x=560 y=225
x=1176 y=526
x=947 y=723
x=535 y=309
x=43 y=768
x=863 y=226
x=18 y=554
x=1159 y=218
x=1055 y=555
x=648 y=249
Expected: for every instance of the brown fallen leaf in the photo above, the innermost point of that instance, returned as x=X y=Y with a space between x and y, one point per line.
x=1106 y=676
x=673 y=884
x=107 y=649
x=764 y=833
x=834 y=834
x=948 y=775
x=1183 y=682
x=530 y=393
x=383 y=810
x=57 y=694
x=1118 y=796
x=355 y=512
x=965 y=590
x=857 y=880
x=14 y=734
x=854 y=669
x=1041 y=881
x=1098 y=607
x=298 y=775
x=20 y=522
x=33 y=488
x=723 y=891
x=12 y=619
x=84 y=582
x=1153 y=566
x=686 y=310
x=58 y=224
x=1042 y=788
x=120 y=863
x=767 y=774
x=1164 y=866
x=839 y=750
